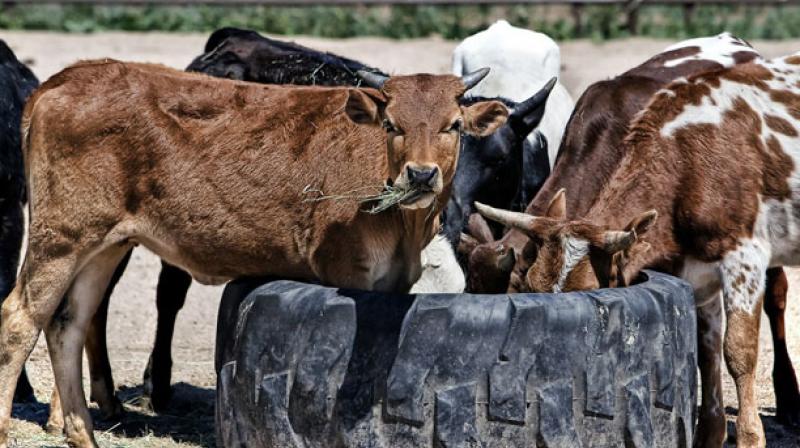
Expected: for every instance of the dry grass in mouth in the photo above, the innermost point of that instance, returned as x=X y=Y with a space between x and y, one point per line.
x=388 y=197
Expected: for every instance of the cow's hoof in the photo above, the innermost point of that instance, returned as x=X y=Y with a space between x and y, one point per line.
x=789 y=415
x=157 y=390
x=111 y=410
x=156 y=402
x=711 y=433
x=54 y=427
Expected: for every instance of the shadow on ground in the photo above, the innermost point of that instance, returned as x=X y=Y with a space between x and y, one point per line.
x=778 y=435
x=189 y=417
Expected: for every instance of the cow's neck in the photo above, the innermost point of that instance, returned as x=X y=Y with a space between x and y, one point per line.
x=646 y=179
x=419 y=228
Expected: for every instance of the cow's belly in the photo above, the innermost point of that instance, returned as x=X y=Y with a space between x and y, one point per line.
x=215 y=262
x=364 y=263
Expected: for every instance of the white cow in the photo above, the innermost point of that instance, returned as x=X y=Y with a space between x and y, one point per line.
x=440 y=269
x=521 y=62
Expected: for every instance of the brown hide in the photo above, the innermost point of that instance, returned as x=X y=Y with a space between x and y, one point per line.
x=210 y=174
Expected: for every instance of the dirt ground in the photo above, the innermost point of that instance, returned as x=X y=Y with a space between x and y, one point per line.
x=189 y=421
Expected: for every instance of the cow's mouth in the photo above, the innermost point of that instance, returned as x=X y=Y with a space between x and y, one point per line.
x=417 y=194
x=418 y=198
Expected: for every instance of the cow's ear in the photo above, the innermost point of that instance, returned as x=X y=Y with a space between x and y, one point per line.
x=643 y=222
x=235 y=71
x=557 y=209
x=365 y=106
x=466 y=244
x=616 y=240
x=483 y=118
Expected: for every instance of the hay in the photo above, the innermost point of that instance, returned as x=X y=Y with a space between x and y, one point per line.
x=387 y=197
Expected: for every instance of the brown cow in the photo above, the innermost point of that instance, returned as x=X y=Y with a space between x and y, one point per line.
x=593 y=139
x=210 y=175
x=715 y=158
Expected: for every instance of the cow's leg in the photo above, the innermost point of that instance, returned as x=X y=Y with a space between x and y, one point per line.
x=12 y=225
x=173 y=284
x=102 y=381
x=66 y=335
x=25 y=312
x=743 y=280
x=711 y=427
x=787 y=393
x=55 y=421
x=102 y=391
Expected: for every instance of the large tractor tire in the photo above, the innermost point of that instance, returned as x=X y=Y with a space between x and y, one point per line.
x=302 y=365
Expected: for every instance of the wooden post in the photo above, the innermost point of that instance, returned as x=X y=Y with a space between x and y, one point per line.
x=577 y=10
x=632 y=13
x=688 y=15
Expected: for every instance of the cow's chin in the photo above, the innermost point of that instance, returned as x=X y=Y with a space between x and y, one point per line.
x=424 y=200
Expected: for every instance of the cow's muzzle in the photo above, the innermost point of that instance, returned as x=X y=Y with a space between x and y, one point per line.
x=422 y=178
x=425 y=182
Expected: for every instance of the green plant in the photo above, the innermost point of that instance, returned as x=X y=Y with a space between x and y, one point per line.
x=408 y=21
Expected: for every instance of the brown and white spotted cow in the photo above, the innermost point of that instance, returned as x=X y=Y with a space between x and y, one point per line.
x=593 y=139
x=710 y=175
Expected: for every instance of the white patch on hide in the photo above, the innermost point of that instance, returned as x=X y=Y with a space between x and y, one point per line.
x=719 y=49
x=573 y=250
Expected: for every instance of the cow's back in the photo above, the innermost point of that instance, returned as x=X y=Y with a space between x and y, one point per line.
x=592 y=145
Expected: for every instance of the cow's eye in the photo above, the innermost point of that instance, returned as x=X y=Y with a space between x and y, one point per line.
x=390 y=127
x=455 y=127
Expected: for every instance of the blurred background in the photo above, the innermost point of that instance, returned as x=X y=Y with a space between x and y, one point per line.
x=452 y=19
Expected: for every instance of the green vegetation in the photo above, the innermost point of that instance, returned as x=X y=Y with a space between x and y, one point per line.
x=598 y=22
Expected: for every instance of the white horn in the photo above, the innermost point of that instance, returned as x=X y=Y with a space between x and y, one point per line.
x=517 y=220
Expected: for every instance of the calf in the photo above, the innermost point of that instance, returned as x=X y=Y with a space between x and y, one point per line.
x=16 y=84
x=210 y=175
x=245 y=55
x=714 y=157
x=507 y=169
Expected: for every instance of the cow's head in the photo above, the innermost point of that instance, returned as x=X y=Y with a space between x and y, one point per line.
x=226 y=53
x=424 y=121
x=489 y=262
x=490 y=168
x=564 y=256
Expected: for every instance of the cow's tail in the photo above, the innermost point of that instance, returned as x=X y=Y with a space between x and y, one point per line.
x=26 y=126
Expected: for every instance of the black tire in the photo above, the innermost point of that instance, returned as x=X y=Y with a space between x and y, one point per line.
x=304 y=366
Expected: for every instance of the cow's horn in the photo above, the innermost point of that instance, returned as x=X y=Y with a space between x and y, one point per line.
x=518 y=220
x=527 y=106
x=470 y=80
x=373 y=80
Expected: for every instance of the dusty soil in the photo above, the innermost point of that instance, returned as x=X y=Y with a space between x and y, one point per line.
x=189 y=422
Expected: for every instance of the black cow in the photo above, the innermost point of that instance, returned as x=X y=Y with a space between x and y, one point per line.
x=503 y=168
x=16 y=84
x=248 y=56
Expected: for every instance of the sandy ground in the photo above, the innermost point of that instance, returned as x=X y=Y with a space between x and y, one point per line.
x=189 y=422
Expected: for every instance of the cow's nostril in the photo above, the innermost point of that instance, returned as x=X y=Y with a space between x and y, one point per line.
x=422 y=176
